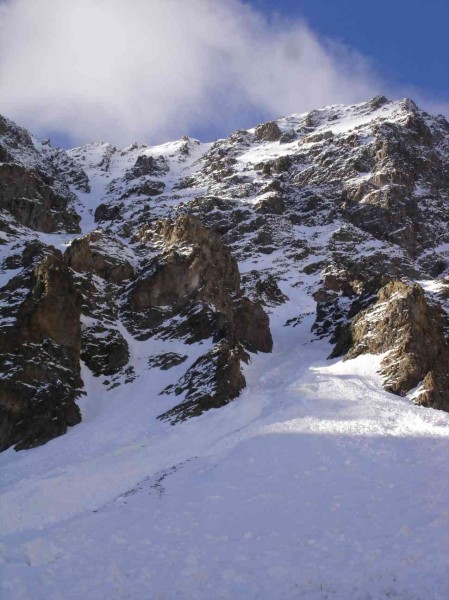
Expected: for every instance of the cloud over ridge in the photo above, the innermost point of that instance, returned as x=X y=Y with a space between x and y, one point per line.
x=153 y=70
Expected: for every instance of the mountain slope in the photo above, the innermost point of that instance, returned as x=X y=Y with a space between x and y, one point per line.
x=318 y=480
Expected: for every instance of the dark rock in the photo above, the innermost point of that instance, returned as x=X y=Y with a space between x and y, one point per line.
x=269 y=292
x=268 y=132
x=272 y=204
x=104 y=350
x=147 y=165
x=251 y=326
x=33 y=203
x=167 y=360
x=287 y=137
x=40 y=349
x=108 y=212
x=146 y=188
x=100 y=254
x=378 y=101
x=211 y=382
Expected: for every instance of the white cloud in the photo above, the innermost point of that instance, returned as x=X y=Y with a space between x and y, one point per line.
x=149 y=70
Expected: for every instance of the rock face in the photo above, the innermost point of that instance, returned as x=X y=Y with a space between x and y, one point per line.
x=343 y=210
x=402 y=324
x=214 y=380
x=32 y=202
x=32 y=189
x=196 y=279
x=99 y=254
x=194 y=263
x=268 y=132
x=101 y=267
x=40 y=341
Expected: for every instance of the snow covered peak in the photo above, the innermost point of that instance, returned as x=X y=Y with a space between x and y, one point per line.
x=326 y=233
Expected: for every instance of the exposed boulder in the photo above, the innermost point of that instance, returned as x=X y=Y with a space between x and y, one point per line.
x=104 y=349
x=148 y=187
x=318 y=137
x=268 y=291
x=166 y=360
x=271 y=204
x=251 y=326
x=287 y=137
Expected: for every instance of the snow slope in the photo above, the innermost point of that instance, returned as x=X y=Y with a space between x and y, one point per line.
x=315 y=483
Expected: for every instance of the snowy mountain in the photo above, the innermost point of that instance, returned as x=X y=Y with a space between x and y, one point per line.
x=281 y=298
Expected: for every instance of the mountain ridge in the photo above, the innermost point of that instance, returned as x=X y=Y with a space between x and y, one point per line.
x=271 y=295
x=369 y=180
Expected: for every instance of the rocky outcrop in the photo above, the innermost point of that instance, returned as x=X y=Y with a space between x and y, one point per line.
x=194 y=264
x=101 y=269
x=147 y=165
x=146 y=188
x=100 y=254
x=40 y=342
x=196 y=278
x=32 y=202
x=107 y=212
x=213 y=381
x=35 y=182
x=268 y=132
x=411 y=332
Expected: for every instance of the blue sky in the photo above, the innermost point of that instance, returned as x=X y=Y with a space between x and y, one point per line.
x=151 y=70
x=408 y=41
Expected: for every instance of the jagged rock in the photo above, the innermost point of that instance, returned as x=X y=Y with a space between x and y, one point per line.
x=146 y=188
x=271 y=204
x=318 y=137
x=251 y=326
x=268 y=291
x=287 y=137
x=107 y=212
x=167 y=360
x=40 y=341
x=104 y=350
x=412 y=332
x=147 y=165
x=100 y=254
x=211 y=382
x=268 y=132
x=195 y=262
x=66 y=168
x=32 y=202
x=434 y=391
x=35 y=181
